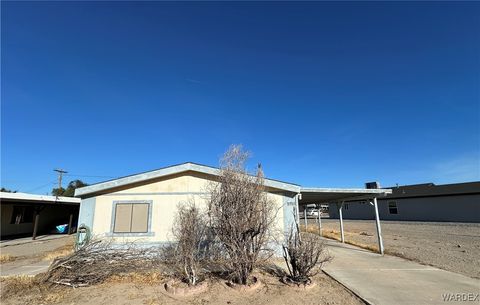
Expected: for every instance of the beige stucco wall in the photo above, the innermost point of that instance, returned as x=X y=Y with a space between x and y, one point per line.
x=164 y=195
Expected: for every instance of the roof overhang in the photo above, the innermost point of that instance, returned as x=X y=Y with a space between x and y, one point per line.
x=104 y=187
x=24 y=197
x=311 y=195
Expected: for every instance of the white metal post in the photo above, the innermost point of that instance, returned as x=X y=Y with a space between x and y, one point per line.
x=320 y=221
x=341 y=220
x=297 y=213
x=305 y=217
x=379 y=229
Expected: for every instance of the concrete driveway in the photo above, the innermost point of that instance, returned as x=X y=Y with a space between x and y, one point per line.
x=30 y=254
x=384 y=280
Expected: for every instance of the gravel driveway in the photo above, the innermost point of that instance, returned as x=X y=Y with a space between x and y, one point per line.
x=450 y=246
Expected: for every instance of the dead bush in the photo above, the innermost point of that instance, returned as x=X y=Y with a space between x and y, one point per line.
x=189 y=231
x=304 y=255
x=99 y=260
x=240 y=215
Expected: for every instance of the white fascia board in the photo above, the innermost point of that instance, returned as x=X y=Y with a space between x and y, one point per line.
x=132 y=179
x=170 y=171
x=346 y=190
x=39 y=198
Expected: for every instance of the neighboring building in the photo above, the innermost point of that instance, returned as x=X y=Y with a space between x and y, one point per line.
x=19 y=212
x=141 y=207
x=459 y=202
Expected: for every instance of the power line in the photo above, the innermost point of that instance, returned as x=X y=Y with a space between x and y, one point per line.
x=42 y=186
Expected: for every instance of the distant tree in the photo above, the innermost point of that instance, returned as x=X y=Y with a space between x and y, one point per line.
x=70 y=190
x=7 y=190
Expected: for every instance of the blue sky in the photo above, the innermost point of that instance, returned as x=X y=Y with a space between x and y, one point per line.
x=323 y=94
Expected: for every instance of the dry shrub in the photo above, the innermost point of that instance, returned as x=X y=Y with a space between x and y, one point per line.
x=4 y=258
x=240 y=215
x=98 y=260
x=304 y=255
x=189 y=231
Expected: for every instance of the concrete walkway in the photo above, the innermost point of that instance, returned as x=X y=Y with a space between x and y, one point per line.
x=384 y=280
x=23 y=268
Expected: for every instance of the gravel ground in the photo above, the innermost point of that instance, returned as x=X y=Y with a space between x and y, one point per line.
x=449 y=246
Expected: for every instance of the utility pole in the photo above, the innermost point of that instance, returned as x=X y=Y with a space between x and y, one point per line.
x=60 y=174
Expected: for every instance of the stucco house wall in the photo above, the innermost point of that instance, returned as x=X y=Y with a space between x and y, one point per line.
x=163 y=196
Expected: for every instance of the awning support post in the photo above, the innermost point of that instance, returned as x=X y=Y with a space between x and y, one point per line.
x=340 y=207
x=320 y=221
x=35 y=224
x=297 y=213
x=379 y=229
x=305 y=218
x=70 y=223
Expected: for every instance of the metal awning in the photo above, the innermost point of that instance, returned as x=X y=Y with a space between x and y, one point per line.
x=331 y=195
x=312 y=195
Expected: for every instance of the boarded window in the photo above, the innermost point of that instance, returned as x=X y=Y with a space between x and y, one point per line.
x=131 y=218
x=392 y=207
x=22 y=214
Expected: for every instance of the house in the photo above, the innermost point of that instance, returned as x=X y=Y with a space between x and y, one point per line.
x=458 y=202
x=141 y=207
x=25 y=214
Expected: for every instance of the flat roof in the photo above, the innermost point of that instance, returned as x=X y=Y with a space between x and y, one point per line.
x=25 y=197
x=432 y=190
x=326 y=195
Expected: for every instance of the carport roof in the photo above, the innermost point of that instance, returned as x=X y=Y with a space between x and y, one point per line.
x=326 y=195
x=309 y=195
x=25 y=197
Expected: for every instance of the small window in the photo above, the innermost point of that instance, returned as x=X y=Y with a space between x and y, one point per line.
x=346 y=206
x=131 y=218
x=22 y=214
x=392 y=207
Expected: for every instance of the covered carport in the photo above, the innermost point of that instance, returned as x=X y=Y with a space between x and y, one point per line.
x=25 y=214
x=337 y=197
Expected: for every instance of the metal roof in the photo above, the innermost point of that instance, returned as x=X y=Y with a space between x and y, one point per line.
x=18 y=197
x=103 y=187
x=326 y=195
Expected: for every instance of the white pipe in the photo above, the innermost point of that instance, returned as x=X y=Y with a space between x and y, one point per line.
x=305 y=217
x=320 y=221
x=341 y=221
x=379 y=228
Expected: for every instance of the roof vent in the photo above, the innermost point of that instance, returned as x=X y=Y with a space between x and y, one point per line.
x=372 y=185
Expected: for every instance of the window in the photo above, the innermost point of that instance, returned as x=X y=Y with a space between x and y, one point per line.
x=346 y=206
x=131 y=218
x=392 y=207
x=22 y=214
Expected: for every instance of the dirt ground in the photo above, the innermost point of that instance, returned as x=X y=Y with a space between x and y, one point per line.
x=450 y=246
x=149 y=290
x=272 y=291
